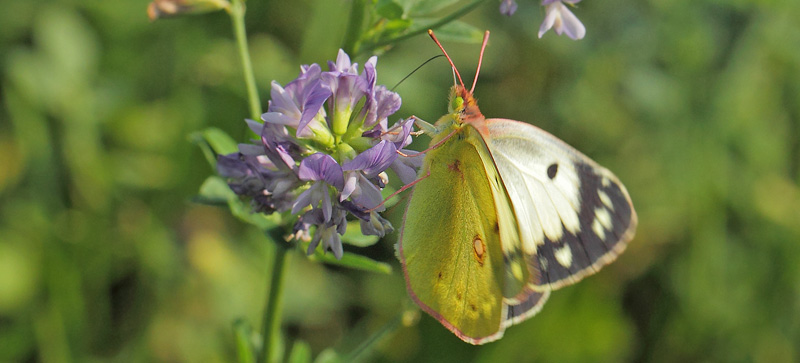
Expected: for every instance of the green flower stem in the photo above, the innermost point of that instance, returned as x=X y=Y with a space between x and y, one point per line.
x=271 y=322
x=455 y=15
x=355 y=27
x=236 y=11
x=367 y=345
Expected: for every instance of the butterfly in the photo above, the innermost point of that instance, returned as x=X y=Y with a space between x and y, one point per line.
x=502 y=213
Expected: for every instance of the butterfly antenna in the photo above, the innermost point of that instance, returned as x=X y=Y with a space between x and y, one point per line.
x=480 y=60
x=415 y=70
x=430 y=32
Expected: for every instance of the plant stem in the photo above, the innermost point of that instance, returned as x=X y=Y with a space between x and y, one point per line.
x=355 y=27
x=367 y=344
x=271 y=322
x=236 y=11
x=455 y=15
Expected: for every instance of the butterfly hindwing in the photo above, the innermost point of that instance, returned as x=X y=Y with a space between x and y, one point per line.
x=574 y=216
x=450 y=244
x=526 y=308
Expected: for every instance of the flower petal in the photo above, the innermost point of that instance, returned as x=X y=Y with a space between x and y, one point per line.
x=303 y=200
x=254 y=126
x=376 y=225
x=367 y=195
x=549 y=19
x=331 y=239
x=232 y=166
x=400 y=133
x=342 y=64
x=374 y=160
x=283 y=101
x=327 y=209
x=349 y=185
x=570 y=24
x=406 y=168
x=321 y=166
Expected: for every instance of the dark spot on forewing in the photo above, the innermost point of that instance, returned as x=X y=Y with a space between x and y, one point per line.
x=552 y=170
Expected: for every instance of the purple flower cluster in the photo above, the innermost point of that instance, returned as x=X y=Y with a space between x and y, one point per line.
x=324 y=150
x=557 y=17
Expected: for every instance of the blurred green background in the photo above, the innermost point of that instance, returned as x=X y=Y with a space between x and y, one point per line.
x=695 y=105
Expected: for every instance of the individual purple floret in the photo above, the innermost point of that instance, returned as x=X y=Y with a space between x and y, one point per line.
x=508 y=7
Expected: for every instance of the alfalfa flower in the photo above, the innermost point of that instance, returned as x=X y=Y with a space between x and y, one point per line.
x=557 y=17
x=323 y=152
x=508 y=7
x=169 y=8
x=563 y=21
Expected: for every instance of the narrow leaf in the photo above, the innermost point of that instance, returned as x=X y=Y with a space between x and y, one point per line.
x=244 y=349
x=215 y=191
x=220 y=141
x=389 y=9
x=457 y=31
x=301 y=352
x=354 y=237
x=351 y=260
x=428 y=7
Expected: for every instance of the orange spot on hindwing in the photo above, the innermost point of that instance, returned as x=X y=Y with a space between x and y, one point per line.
x=479 y=247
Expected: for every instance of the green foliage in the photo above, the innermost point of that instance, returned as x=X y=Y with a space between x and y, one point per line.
x=104 y=256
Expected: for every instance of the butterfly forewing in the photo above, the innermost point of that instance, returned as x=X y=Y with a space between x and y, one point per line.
x=574 y=216
x=450 y=244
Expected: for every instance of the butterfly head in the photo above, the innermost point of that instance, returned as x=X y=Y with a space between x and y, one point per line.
x=463 y=105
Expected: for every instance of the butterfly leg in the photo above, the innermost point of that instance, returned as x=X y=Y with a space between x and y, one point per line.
x=425 y=126
x=404 y=188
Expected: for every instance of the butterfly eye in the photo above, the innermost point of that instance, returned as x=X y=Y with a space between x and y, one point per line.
x=457 y=104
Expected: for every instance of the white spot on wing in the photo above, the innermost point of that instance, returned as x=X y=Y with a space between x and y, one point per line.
x=602 y=215
x=543 y=263
x=564 y=255
x=605 y=199
x=598 y=229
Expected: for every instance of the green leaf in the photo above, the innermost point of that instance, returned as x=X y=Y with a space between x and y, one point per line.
x=215 y=191
x=301 y=352
x=427 y=7
x=389 y=9
x=244 y=349
x=457 y=31
x=328 y=356
x=396 y=26
x=353 y=236
x=198 y=139
x=220 y=142
x=351 y=260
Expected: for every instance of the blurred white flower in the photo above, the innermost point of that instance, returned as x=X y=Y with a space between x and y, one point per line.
x=561 y=19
